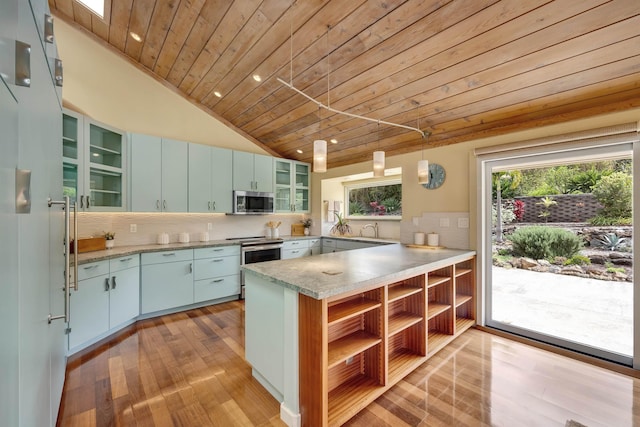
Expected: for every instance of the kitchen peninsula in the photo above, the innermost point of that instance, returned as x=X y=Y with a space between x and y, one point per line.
x=329 y=334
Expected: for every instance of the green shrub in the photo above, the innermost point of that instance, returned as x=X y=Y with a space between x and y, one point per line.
x=540 y=242
x=602 y=220
x=577 y=260
x=504 y=252
x=614 y=192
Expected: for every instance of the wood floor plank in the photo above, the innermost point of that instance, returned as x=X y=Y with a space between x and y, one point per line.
x=186 y=369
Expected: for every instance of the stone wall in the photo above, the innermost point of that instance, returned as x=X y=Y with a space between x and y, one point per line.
x=568 y=208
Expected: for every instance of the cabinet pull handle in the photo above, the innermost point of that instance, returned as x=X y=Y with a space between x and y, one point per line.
x=88 y=202
x=209 y=205
x=190 y=268
x=217 y=260
x=90 y=267
x=214 y=205
x=295 y=252
x=106 y=284
x=218 y=250
x=157 y=205
x=169 y=254
x=217 y=281
x=295 y=243
x=113 y=282
x=81 y=202
x=126 y=259
x=164 y=205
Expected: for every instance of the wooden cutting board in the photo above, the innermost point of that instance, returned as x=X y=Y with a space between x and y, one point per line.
x=297 y=230
x=425 y=246
x=90 y=245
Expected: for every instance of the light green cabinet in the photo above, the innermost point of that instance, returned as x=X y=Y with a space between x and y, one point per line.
x=93 y=164
x=210 y=179
x=217 y=273
x=166 y=280
x=295 y=249
x=291 y=183
x=159 y=174
x=252 y=172
x=89 y=315
x=108 y=297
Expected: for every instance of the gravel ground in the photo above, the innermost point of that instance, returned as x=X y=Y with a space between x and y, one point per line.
x=597 y=313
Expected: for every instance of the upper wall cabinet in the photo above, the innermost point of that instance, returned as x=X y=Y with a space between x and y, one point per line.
x=252 y=172
x=210 y=179
x=291 y=186
x=93 y=163
x=159 y=174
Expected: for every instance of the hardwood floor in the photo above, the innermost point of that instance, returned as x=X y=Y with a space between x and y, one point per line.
x=187 y=369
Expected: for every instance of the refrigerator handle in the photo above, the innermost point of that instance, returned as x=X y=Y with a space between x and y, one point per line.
x=67 y=255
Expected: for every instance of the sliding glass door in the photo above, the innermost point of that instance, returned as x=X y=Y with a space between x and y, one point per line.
x=558 y=247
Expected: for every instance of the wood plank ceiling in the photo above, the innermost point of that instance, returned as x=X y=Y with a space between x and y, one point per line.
x=464 y=69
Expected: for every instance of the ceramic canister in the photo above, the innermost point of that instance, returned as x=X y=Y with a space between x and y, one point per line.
x=418 y=238
x=433 y=239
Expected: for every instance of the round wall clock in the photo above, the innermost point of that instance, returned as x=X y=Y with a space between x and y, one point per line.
x=436 y=176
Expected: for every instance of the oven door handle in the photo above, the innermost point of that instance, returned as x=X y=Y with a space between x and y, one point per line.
x=260 y=248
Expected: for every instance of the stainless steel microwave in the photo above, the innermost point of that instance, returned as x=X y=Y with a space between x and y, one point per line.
x=252 y=203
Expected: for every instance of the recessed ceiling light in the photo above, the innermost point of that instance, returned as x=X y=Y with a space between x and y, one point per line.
x=257 y=77
x=334 y=141
x=299 y=151
x=135 y=36
x=218 y=94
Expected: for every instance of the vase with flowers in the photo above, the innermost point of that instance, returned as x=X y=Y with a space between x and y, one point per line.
x=109 y=237
x=307 y=223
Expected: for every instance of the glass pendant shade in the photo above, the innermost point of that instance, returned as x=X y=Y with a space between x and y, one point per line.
x=319 y=155
x=423 y=171
x=378 y=163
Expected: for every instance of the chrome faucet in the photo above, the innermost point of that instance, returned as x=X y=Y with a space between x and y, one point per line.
x=374 y=226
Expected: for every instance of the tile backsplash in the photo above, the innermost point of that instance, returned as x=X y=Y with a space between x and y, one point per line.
x=149 y=225
x=452 y=227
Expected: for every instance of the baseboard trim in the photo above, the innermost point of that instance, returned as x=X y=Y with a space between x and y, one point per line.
x=290 y=418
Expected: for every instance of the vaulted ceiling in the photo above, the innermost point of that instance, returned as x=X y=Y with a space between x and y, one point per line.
x=462 y=69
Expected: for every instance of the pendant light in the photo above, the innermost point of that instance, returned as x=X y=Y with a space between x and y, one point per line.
x=378 y=158
x=423 y=165
x=319 y=149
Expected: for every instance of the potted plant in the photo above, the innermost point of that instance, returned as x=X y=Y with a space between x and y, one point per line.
x=341 y=227
x=109 y=236
x=306 y=223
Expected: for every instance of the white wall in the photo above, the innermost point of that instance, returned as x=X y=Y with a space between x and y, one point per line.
x=104 y=86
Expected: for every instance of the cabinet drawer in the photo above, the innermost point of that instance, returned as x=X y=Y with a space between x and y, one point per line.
x=122 y=263
x=295 y=244
x=219 y=287
x=349 y=245
x=328 y=243
x=315 y=243
x=167 y=256
x=216 y=251
x=295 y=253
x=214 y=267
x=93 y=269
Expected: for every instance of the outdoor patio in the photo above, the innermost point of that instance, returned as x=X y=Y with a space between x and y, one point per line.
x=598 y=313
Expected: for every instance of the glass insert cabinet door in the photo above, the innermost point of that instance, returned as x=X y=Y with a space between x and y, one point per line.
x=283 y=186
x=105 y=167
x=92 y=163
x=71 y=155
x=302 y=187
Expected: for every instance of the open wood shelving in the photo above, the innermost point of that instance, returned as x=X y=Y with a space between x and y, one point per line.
x=369 y=341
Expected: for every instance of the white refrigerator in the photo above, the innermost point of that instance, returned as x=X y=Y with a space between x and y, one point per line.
x=32 y=349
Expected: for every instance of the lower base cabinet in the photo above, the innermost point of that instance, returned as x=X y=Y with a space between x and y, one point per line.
x=167 y=280
x=108 y=296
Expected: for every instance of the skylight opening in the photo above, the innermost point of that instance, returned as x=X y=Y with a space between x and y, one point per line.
x=95 y=6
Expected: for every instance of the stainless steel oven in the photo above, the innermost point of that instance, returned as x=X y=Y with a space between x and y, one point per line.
x=258 y=249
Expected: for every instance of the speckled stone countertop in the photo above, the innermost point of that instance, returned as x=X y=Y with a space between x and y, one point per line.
x=119 y=251
x=332 y=274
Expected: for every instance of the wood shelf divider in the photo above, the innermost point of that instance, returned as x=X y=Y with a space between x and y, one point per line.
x=435 y=280
x=461 y=299
x=462 y=271
x=401 y=321
x=402 y=291
x=436 y=309
x=351 y=308
x=346 y=347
